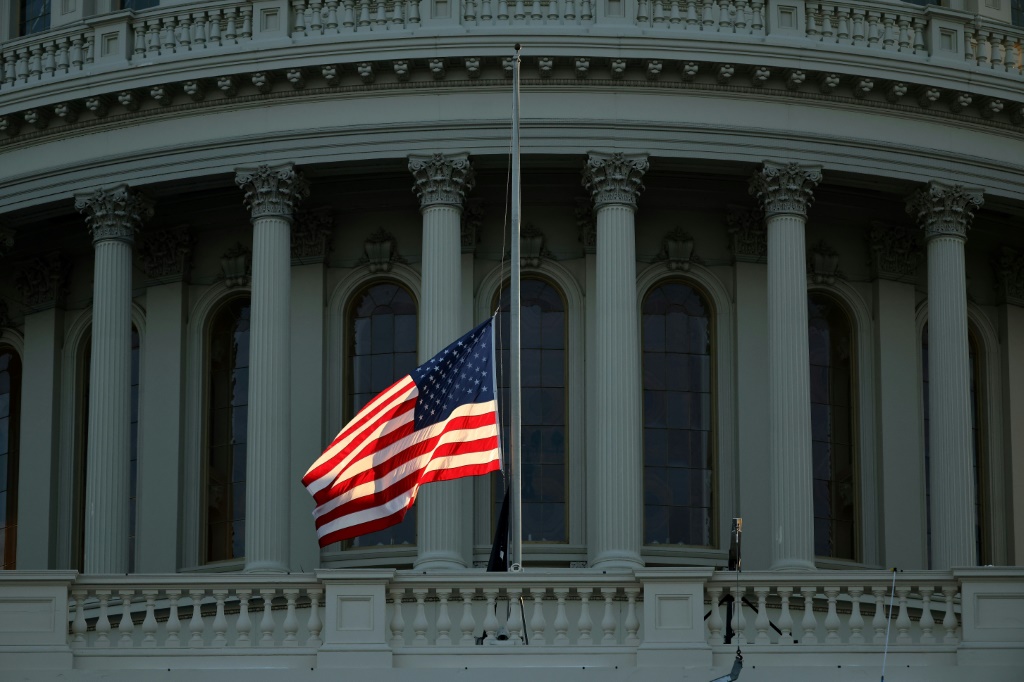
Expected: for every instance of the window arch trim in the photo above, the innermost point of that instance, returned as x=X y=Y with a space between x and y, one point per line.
x=575 y=428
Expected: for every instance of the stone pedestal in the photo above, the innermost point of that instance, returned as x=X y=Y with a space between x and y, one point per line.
x=616 y=516
x=785 y=191
x=441 y=182
x=272 y=195
x=945 y=212
x=113 y=216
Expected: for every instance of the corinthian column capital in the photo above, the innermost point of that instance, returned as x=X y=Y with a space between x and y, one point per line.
x=114 y=214
x=943 y=209
x=272 y=191
x=614 y=178
x=785 y=188
x=441 y=179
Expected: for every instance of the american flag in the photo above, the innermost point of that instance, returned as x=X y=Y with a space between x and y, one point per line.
x=435 y=424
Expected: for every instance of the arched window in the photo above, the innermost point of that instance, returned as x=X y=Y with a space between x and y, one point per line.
x=10 y=415
x=228 y=422
x=133 y=445
x=545 y=461
x=678 y=441
x=831 y=345
x=977 y=445
x=381 y=328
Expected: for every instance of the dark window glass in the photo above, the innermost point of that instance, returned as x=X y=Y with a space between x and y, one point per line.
x=10 y=415
x=382 y=349
x=976 y=446
x=544 y=400
x=830 y=342
x=134 y=451
x=226 y=438
x=139 y=4
x=1017 y=12
x=677 y=417
x=33 y=16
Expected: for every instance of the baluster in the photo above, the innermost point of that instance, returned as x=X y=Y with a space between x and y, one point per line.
x=643 y=14
x=291 y=621
x=50 y=58
x=314 y=624
x=858 y=25
x=152 y=37
x=199 y=32
x=348 y=14
x=707 y=18
x=332 y=16
x=316 y=23
x=552 y=10
x=984 y=48
x=570 y=10
x=632 y=621
x=103 y=622
x=195 y=624
x=586 y=11
x=927 y=621
x=809 y=624
x=299 y=12
x=827 y=31
x=739 y=621
x=727 y=9
x=213 y=36
x=918 y=34
x=904 y=41
x=903 y=620
x=139 y=38
x=843 y=25
x=785 y=618
x=127 y=626
x=220 y=622
x=246 y=22
x=997 y=51
x=812 y=22
x=397 y=13
x=167 y=36
x=490 y=617
x=444 y=621
x=675 y=16
x=741 y=19
x=35 y=62
x=77 y=53
x=414 y=12
x=515 y=618
x=537 y=622
x=267 y=622
x=878 y=622
x=468 y=624
x=715 y=623
x=757 y=21
x=761 y=623
x=231 y=27
x=78 y=626
x=173 y=626
x=520 y=12
x=419 y=623
x=949 y=623
x=88 y=46
x=586 y=623
x=382 y=18
x=872 y=28
x=832 y=618
x=889 y=38
x=609 y=623
x=149 y=625
x=243 y=626
x=856 y=619
x=561 y=620
x=535 y=14
x=185 y=32
x=397 y=618
x=364 y=12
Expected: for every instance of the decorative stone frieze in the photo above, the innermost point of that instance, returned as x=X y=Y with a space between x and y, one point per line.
x=895 y=90
x=586 y=224
x=311 y=237
x=748 y=239
x=272 y=191
x=943 y=209
x=472 y=221
x=759 y=75
x=894 y=251
x=297 y=78
x=381 y=251
x=331 y=74
x=67 y=111
x=115 y=213
x=862 y=87
x=98 y=105
x=928 y=96
x=166 y=256
x=724 y=73
x=365 y=71
x=795 y=78
x=531 y=247
x=228 y=85
x=618 y=68
x=438 y=68
x=236 y=264
x=10 y=124
x=654 y=67
x=263 y=80
x=614 y=178
x=472 y=65
x=582 y=67
x=401 y=67
x=441 y=179
x=991 y=106
x=688 y=71
x=823 y=264
x=162 y=94
x=1009 y=268
x=42 y=281
x=828 y=82
x=129 y=99
x=544 y=66
x=785 y=188
x=195 y=89
x=38 y=118
x=677 y=250
x=960 y=101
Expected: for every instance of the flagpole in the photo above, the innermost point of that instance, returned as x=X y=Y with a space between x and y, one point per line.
x=516 y=429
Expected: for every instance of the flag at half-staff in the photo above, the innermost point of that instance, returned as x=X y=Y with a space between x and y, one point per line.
x=436 y=424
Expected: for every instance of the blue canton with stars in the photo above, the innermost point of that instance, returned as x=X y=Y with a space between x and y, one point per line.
x=461 y=374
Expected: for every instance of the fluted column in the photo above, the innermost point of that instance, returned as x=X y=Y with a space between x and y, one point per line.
x=272 y=194
x=616 y=466
x=785 y=192
x=441 y=183
x=113 y=216
x=945 y=213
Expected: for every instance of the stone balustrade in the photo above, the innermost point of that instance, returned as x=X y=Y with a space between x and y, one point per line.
x=659 y=616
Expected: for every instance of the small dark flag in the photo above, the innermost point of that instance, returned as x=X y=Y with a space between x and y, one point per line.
x=499 y=550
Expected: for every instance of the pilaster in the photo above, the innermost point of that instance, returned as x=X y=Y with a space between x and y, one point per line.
x=272 y=195
x=113 y=217
x=441 y=182
x=616 y=518
x=786 y=191
x=944 y=212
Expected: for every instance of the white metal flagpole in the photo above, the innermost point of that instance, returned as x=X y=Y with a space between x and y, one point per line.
x=516 y=428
